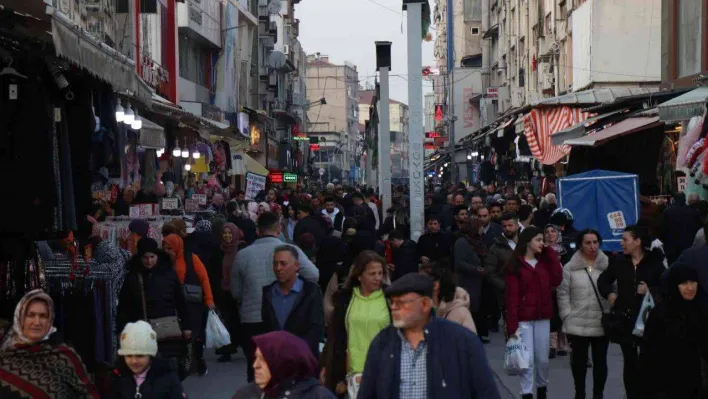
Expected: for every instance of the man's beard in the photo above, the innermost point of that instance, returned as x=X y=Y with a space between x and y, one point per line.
x=410 y=321
x=512 y=236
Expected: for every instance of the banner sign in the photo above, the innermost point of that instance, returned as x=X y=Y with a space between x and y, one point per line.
x=254 y=184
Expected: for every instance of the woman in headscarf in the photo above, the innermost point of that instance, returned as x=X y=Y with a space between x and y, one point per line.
x=289 y=221
x=675 y=341
x=191 y=272
x=468 y=256
x=284 y=368
x=553 y=237
x=203 y=244
x=263 y=207
x=32 y=367
x=253 y=209
x=220 y=278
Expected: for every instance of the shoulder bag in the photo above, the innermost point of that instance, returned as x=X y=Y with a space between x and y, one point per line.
x=615 y=321
x=166 y=328
x=192 y=292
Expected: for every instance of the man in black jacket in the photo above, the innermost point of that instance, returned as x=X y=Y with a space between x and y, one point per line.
x=405 y=255
x=678 y=227
x=309 y=223
x=291 y=303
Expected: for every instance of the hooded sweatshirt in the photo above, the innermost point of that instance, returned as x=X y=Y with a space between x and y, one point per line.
x=457 y=310
x=366 y=317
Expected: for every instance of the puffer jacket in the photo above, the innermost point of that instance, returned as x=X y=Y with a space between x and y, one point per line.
x=458 y=310
x=160 y=382
x=577 y=303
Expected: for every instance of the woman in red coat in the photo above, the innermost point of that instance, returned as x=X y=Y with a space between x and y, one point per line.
x=533 y=271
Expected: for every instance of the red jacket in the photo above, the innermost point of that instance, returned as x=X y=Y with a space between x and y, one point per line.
x=528 y=293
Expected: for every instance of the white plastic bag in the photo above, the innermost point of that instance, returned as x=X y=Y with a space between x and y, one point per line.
x=643 y=316
x=516 y=356
x=216 y=333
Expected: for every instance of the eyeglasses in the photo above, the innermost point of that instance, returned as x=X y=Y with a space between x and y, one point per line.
x=399 y=303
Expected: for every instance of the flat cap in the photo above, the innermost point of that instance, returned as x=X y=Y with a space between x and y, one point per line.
x=411 y=282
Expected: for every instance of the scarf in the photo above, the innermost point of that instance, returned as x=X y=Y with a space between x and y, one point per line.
x=558 y=245
x=17 y=336
x=180 y=264
x=230 y=249
x=289 y=360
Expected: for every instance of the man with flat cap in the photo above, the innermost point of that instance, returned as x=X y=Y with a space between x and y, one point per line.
x=421 y=356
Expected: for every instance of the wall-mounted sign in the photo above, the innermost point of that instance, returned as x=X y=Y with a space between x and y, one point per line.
x=431 y=135
x=492 y=92
x=275 y=176
x=430 y=146
x=290 y=177
x=314 y=147
x=439 y=112
x=254 y=184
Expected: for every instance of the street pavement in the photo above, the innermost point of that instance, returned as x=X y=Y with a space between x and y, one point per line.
x=225 y=378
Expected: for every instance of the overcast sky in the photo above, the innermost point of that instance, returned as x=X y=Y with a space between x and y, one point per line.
x=347 y=29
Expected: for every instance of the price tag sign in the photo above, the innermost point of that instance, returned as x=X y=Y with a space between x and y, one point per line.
x=201 y=198
x=145 y=210
x=191 y=205
x=617 y=220
x=681 y=183
x=170 y=203
x=134 y=212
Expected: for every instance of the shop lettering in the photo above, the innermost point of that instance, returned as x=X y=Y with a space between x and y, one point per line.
x=153 y=74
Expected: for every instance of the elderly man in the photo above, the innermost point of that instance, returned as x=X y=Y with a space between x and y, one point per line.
x=421 y=356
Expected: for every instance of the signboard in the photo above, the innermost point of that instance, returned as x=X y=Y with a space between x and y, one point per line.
x=617 y=222
x=314 y=147
x=492 y=92
x=134 y=212
x=439 y=112
x=200 y=198
x=681 y=183
x=290 y=177
x=191 y=205
x=254 y=184
x=430 y=146
x=146 y=210
x=170 y=203
x=432 y=135
x=275 y=176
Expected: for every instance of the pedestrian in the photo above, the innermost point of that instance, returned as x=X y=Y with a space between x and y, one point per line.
x=308 y=222
x=197 y=294
x=140 y=372
x=581 y=309
x=252 y=270
x=636 y=272
x=449 y=301
x=468 y=254
x=291 y=303
x=284 y=369
x=552 y=237
x=31 y=365
x=360 y=312
x=675 y=341
x=434 y=244
x=498 y=257
x=404 y=253
x=423 y=356
x=679 y=226
x=289 y=222
x=533 y=271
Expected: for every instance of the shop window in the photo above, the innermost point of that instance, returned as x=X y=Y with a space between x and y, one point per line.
x=689 y=37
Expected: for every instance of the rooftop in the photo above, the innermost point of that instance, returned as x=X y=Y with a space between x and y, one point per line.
x=365 y=97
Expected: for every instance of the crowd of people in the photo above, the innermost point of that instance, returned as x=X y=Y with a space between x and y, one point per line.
x=328 y=296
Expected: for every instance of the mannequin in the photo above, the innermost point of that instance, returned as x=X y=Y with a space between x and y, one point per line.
x=170 y=193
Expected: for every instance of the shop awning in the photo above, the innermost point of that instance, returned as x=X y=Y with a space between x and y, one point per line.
x=685 y=106
x=541 y=123
x=99 y=59
x=578 y=130
x=623 y=128
x=254 y=166
x=152 y=135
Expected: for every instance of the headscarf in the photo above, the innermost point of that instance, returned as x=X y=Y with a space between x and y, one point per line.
x=288 y=357
x=252 y=208
x=203 y=226
x=147 y=245
x=264 y=205
x=17 y=336
x=230 y=250
x=558 y=245
x=471 y=229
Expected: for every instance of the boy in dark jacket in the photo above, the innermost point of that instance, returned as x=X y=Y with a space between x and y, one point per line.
x=139 y=371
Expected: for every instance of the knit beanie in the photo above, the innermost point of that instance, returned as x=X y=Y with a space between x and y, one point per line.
x=140 y=227
x=147 y=245
x=138 y=339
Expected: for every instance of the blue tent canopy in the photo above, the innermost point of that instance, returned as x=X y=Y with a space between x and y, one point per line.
x=602 y=200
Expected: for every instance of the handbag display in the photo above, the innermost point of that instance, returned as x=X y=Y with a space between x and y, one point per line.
x=615 y=321
x=166 y=328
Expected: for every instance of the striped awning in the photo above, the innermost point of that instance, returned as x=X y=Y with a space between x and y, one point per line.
x=541 y=123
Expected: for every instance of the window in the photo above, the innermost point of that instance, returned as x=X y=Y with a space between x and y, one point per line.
x=475 y=30
x=193 y=61
x=689 y=37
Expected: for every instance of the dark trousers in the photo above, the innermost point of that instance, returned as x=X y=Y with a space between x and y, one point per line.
x=248 y=331
x=579 y=361
x=630 y=355
x=481 y=322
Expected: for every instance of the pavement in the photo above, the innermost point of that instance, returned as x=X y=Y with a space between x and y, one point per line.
x=224 y=379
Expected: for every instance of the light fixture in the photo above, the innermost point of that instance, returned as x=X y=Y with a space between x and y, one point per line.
x=482 y=157
x=469 y=156
x=187 y=167
x=185 y=154
x=445 y=164
x=196 y=154
x=129 y=115
x=176 y=152
x=120 y=113
x=137 y=122
x=160 y=152
x=475 y=153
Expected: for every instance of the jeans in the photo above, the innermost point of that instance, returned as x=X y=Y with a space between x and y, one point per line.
x=630 y=355
x=535 y=335
x=579 y=360
x=248 y=331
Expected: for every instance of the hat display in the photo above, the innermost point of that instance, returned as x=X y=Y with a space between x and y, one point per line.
x=138 y=339
x=411 y=282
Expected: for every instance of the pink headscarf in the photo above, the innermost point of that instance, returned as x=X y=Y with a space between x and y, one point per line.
x=230 y=249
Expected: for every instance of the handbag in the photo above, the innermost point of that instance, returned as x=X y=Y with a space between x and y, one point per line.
x=615 y=321
x=165 y=328
x=192 y=292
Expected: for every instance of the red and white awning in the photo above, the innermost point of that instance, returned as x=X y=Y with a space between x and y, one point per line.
x=541 y=123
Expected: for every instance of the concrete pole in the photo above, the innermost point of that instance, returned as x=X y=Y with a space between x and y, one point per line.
x=451 y=100
x=383 y=50
x=415 y=121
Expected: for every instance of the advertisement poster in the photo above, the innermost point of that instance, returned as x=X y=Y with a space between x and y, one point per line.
x=254 y=184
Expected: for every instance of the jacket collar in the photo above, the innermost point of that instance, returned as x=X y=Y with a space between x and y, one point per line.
x=578 y=262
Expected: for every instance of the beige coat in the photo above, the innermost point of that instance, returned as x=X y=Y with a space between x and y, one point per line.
x=458 y=310
x=577 y=303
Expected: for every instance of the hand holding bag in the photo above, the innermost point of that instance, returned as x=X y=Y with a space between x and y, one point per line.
x=615 y=321
x=517 y=358
x=166 y=328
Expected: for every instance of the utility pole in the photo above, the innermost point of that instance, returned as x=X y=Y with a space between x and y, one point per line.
x=383 y=64
x=451 y=80
x=416 y=181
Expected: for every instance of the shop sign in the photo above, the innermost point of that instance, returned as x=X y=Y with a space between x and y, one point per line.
x=492 y=92
x=191 y=205
x=154 y=139
x=617 y=222
x=681 y=183
x=154 y=75
x=314 y=147
x=201 y=198
x=255 y=137
x=290 y=177
x=431 y=135
x=170 y=203
x=141 y=211
x=254 y=184
x=275 y=176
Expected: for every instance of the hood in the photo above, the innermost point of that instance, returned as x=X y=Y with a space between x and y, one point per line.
x=177 y=244
x=462 y=300
x=577 y=262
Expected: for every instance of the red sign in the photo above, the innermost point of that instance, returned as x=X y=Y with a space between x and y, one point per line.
x=431 y=135
x=430 y=146
x=154 y=75
x=438 y=112
x=275 y=176
x=314 y=147
x=492 y=92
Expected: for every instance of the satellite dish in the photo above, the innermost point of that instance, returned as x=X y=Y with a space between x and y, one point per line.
x=276 y=60
x=274 y=7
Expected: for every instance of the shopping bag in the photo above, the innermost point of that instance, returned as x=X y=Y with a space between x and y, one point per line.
x=516 y=356
x=643 y=316
x=216 y=333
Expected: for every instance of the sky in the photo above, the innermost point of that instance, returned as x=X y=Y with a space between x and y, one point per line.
x=346 y=30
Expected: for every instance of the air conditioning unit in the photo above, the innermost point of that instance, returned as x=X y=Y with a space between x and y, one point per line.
x=286 y=49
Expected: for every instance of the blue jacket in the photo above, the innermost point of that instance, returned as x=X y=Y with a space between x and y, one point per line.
x=456 y=364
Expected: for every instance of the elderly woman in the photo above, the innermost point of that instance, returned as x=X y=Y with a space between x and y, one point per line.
x=32 y=367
